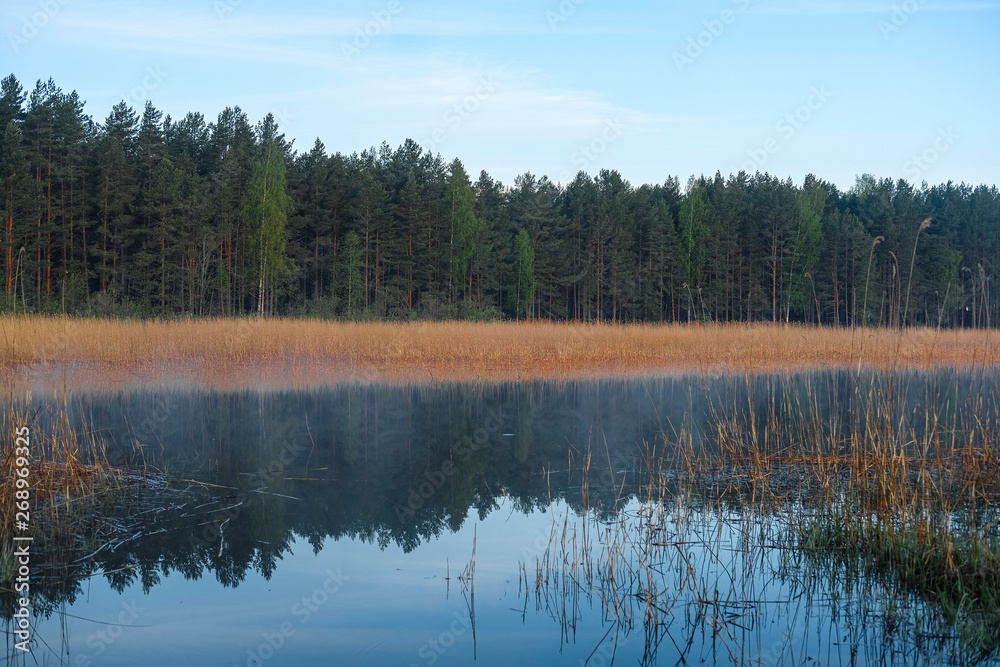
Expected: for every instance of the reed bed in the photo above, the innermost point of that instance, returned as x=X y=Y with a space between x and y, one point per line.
x=63 y=468
x=73 y=486
x=229 y=353
x=896 y=492
x=884 y=510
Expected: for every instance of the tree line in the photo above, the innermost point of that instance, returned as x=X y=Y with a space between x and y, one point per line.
x=142 y=215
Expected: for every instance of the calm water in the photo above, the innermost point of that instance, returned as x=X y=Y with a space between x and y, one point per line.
x=342 y=525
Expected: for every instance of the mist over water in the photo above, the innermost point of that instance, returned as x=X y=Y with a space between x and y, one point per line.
x=340 y=524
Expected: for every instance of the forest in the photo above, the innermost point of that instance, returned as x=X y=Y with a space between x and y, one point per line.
x=145 y=216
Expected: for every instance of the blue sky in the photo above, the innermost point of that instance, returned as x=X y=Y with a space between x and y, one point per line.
x=905 y=89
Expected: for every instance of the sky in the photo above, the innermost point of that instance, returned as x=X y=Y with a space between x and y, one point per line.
x=836 y=88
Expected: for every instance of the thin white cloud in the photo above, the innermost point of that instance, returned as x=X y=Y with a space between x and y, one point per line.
x=187 y=25
x=799 y=8
x=424 y=85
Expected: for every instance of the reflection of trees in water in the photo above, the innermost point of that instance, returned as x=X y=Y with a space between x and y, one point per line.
x=401 y=464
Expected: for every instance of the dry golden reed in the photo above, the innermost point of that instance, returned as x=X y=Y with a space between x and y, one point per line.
x=231 y=353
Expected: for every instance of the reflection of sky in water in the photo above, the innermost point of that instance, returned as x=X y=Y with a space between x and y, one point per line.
x=397 y=609
x=369 y=446
x=390 y=609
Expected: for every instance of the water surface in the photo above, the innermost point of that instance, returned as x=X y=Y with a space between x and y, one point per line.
x=524 y=523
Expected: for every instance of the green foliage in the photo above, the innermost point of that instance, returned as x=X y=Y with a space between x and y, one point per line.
x=807 y=250
x=190 y=217
x=352 y=287
x=466 y=229
x=521 y=288
x=692 y=232
x=265 y=209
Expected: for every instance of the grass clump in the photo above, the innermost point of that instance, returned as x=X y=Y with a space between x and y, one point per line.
x=904 y=490
x=955 y=568
x=73 y=486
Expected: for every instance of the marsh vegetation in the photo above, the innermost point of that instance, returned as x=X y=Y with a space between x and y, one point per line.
x=278 y=353
x=848 y=516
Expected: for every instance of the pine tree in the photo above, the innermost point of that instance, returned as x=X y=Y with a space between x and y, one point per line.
x=618 y=256
x=410 y=213
x=166 y=211
x=146 y=245
x=229 y=148
x=14 y=181
x=692 y=232
x=309 y=242
x=583 y=245
x=115 y=193
x=372 y=214
x=488 y=265
x=15 y=187
x=805 y=262
x=658 y=239
x=535 y=208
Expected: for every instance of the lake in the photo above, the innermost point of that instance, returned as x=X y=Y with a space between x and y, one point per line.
x=664 y=520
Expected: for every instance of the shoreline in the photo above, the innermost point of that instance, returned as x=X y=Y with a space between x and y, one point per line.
x=55 y=352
